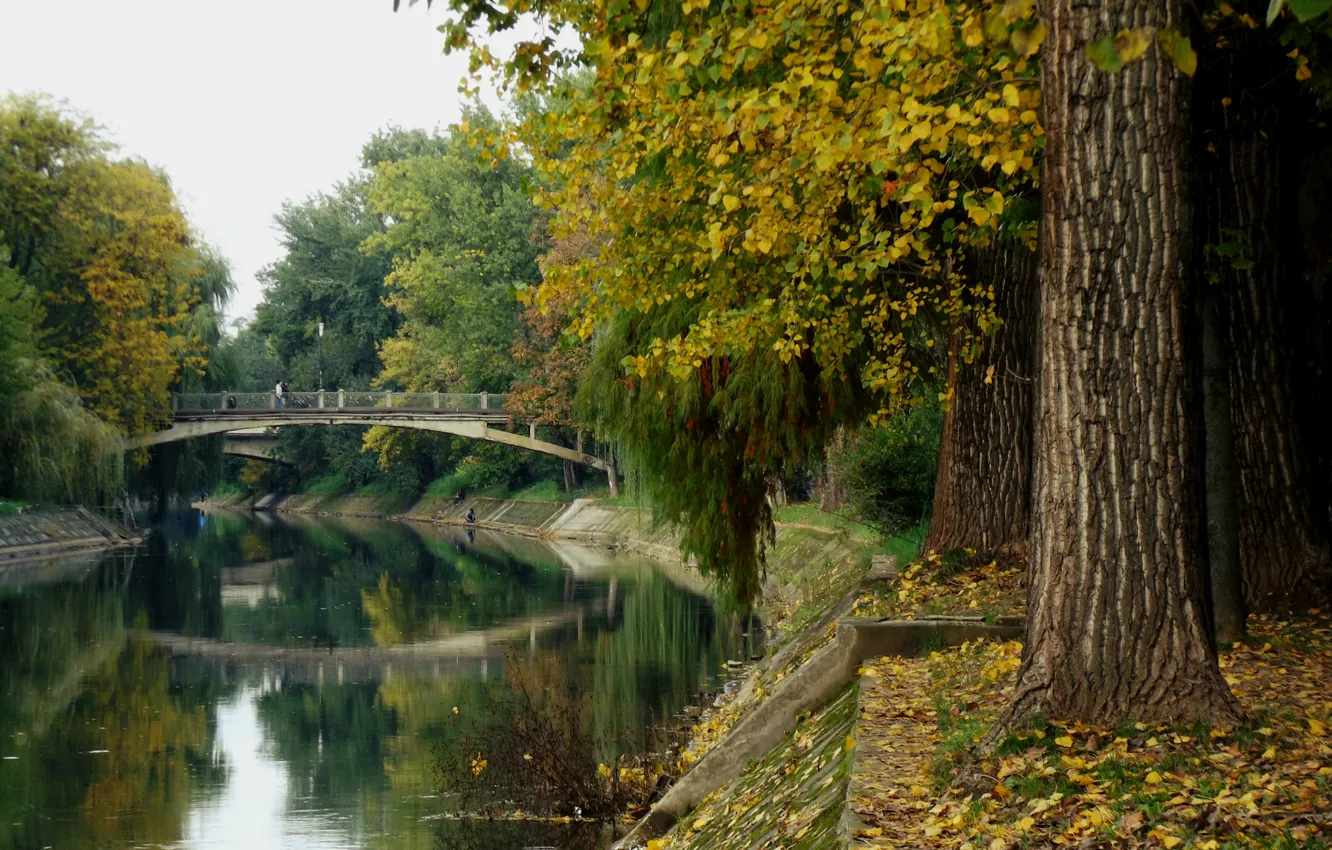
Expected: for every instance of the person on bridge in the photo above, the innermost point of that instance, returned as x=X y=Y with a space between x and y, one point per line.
x=279 y=390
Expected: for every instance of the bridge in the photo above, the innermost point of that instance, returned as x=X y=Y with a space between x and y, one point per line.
x=476 y=415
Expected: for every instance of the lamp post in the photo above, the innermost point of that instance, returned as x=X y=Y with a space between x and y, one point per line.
x=321 y=356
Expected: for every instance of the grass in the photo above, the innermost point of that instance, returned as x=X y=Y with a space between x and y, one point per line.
x=9 y=507
x=550 y=490
x=228 y=488
x=331 y=484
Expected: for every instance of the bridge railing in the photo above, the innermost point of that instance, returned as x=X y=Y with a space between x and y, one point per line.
x=336 y=400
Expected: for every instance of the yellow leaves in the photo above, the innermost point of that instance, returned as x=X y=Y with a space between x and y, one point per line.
x=1152 y=778
x=1317 y=728
x=868 y=94
x=1131 y=44
x=479 y=765
x=1064 y=741
x=1026 y=42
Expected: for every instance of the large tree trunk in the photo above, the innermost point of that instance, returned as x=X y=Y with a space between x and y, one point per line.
x=1248 y=204
x=1117 y=624
x=982 y=495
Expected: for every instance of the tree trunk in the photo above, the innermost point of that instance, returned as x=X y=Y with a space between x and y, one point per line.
x=982 y=495
x=1117 y=623
x=830 y=490
x=1222 y=484
x=1248 y=205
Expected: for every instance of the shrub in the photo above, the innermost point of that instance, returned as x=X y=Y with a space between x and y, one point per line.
x=889 y=471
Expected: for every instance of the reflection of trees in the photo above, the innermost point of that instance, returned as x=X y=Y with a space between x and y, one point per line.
x=157 y=743
x=51 y=637
x=379 y=743
x=664 y=648
x=331 y=738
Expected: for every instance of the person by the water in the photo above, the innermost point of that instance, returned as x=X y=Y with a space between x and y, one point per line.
x=471 y=515
x=460 y=495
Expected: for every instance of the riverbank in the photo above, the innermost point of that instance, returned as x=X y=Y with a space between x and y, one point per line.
x=811 y=570
x=39 y=535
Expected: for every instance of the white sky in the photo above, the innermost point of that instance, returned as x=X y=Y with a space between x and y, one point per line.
x=244 y=103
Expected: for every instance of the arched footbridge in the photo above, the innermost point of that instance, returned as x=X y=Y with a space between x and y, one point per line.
x=476 y=415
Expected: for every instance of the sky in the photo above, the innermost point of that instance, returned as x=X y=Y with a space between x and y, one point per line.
x=244 y=103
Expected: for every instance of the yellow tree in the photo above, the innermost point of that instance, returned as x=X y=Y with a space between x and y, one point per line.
x=786 y=193
x=107 y=250
x=124 y=306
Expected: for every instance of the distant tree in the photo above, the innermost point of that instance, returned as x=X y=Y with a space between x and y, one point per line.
x=324 y=276
x=460 y=239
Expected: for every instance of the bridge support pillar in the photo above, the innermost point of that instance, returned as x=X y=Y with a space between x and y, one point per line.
x=321 y=399
x=341 y=399
x=434 y=401
x=610 y=474
x=578 y=442
x=531 y=430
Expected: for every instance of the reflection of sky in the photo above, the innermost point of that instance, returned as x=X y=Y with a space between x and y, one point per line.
x=252 y=812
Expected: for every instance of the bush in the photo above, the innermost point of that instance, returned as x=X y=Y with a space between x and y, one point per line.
x=889 y=471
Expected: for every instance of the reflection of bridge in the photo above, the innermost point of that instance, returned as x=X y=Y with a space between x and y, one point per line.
x=474 y=415
x=377 y=662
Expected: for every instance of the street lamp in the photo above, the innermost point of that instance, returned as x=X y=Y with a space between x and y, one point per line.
x=321 y=356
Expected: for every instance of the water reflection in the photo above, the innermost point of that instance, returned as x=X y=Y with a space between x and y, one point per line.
x=263 y=682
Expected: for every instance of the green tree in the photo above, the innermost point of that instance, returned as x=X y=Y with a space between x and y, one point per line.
x=461 y=245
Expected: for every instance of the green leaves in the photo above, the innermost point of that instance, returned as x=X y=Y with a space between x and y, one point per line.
x=1305 y=10
x=1112 y=53
x=1179 y=49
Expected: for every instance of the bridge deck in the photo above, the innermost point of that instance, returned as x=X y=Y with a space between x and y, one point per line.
x=462 y=414
x=490 y=415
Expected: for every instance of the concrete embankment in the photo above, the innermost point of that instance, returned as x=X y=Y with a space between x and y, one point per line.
x=808 y=568
x=37 y=537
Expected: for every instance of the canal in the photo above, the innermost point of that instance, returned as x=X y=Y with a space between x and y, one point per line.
x=260 y=681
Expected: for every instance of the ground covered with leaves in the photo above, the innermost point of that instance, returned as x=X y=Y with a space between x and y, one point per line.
x=951 y=584
x=1266 y=783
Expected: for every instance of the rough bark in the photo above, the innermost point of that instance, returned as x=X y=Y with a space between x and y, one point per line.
x=1222 y=484
x=982 y=495
x=1117 y=623
x=1248 y=201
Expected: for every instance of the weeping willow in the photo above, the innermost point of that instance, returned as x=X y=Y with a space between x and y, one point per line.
x=706 y=451
x=53 y=449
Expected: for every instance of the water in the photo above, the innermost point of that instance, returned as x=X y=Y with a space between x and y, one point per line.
x=254 y=682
